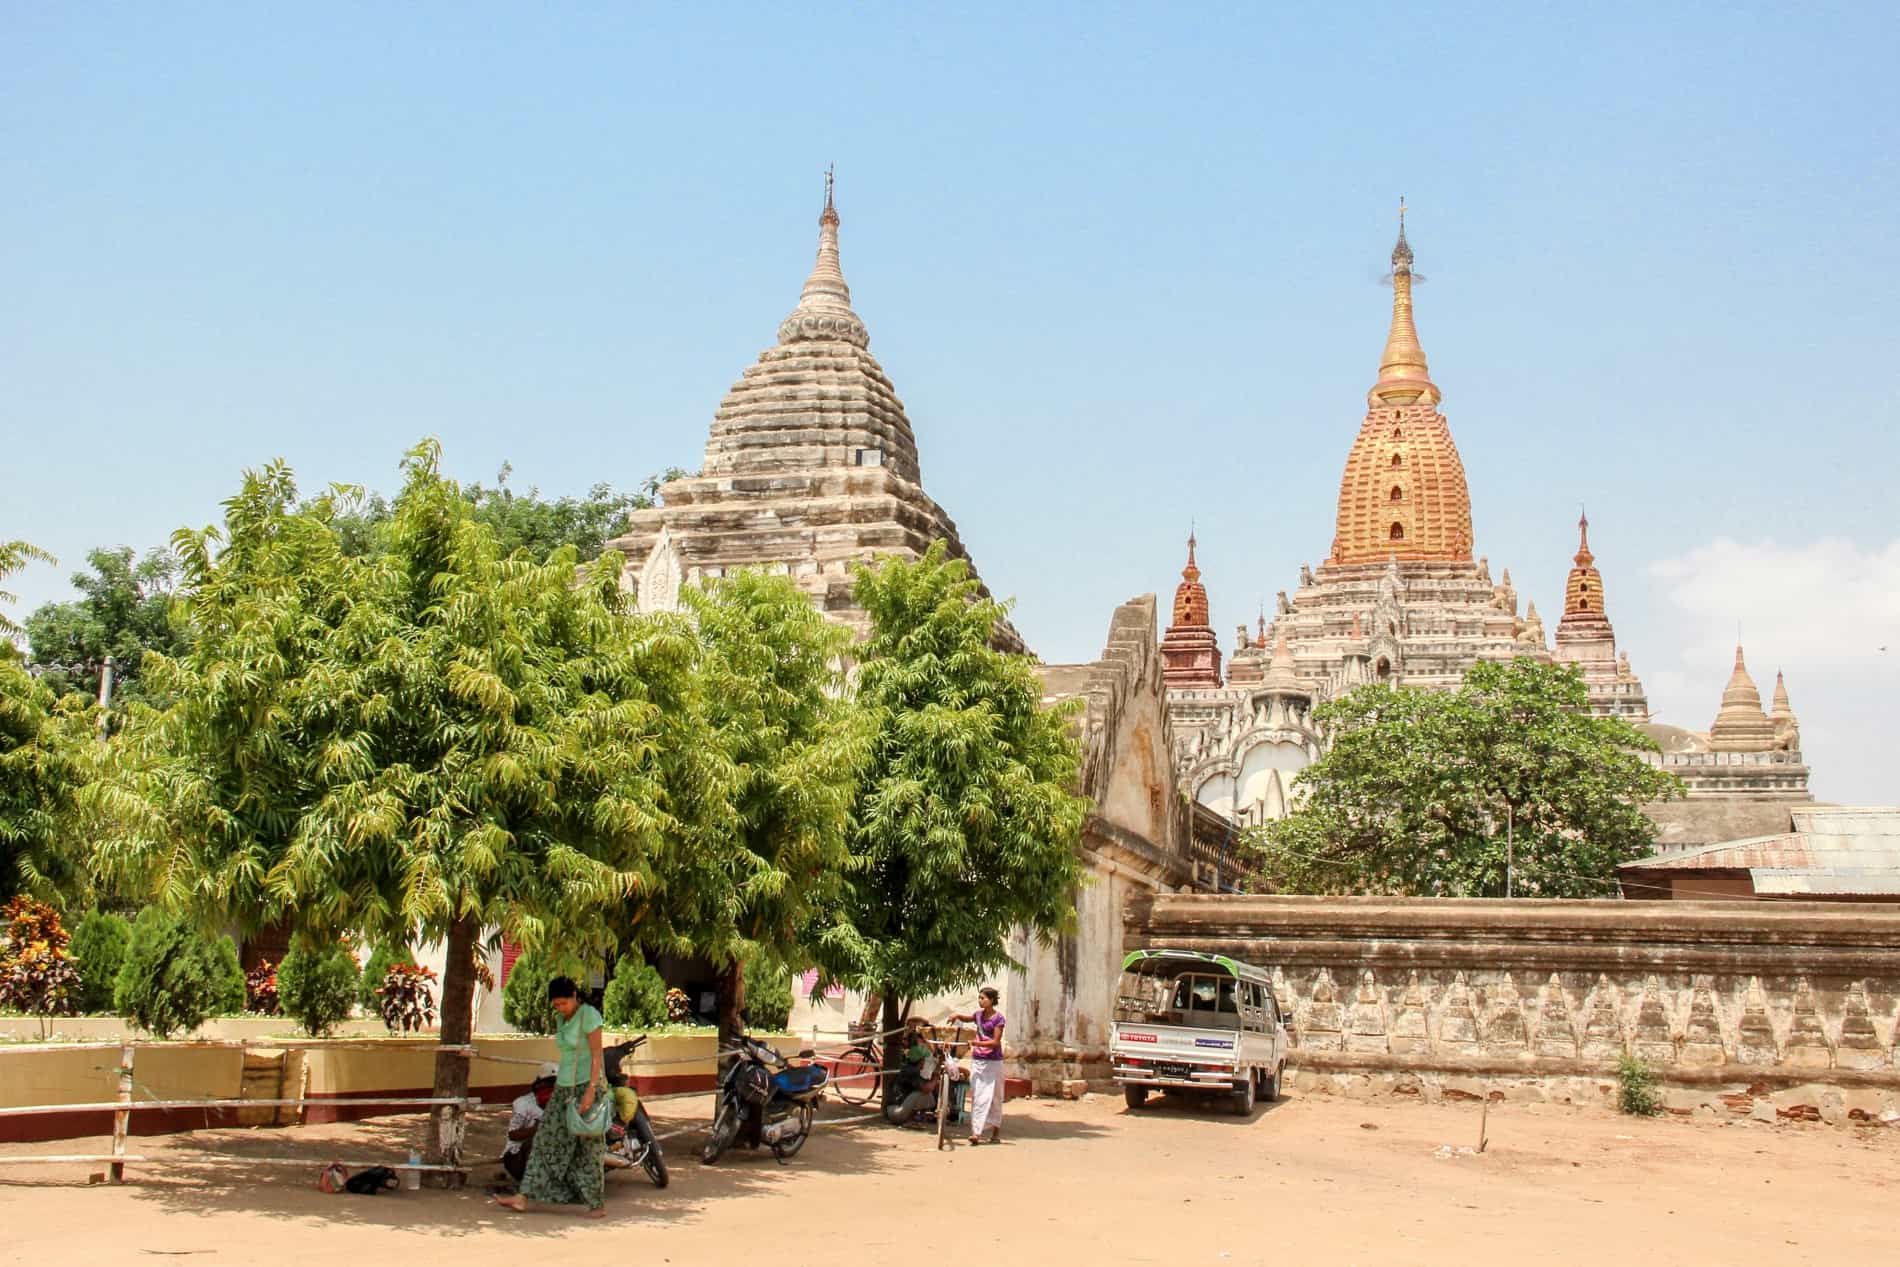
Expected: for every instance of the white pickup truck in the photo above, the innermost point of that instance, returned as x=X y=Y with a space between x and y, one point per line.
x=1190 y=1021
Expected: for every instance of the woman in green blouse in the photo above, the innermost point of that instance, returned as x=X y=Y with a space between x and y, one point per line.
x=565 y=1168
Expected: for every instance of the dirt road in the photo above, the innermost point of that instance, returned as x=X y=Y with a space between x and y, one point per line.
x=1319 y=1180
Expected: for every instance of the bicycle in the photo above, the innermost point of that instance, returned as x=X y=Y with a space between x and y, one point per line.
x=855 y=1072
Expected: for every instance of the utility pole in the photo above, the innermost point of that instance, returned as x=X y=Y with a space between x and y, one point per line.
x=105 y=697
x=1510 y=845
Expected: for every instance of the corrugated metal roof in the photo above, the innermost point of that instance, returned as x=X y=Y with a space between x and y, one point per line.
x=1833 y=850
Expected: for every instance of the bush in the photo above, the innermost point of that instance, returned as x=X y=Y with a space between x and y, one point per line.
x=636 y=997
x=406 y=998
x=98 y=948
x=381 y=960
x=37 y=972
x=768 y=995
x=231 y=997
x=260 y=989
x=172 y=978
x=317 y=988
x=524 y=997
x=1636 y=1087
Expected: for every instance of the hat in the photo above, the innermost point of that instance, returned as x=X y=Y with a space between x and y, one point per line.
x=548 y=1072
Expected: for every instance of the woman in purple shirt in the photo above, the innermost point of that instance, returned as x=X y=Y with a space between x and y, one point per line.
x=986 y=1068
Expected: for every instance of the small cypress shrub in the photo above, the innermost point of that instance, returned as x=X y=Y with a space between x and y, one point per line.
x=98 y=947
x=172 y=978
x=1636 y=1087
x=524 y=996
x=768 y=994
x=230 y=978
x=317 y=987
x=636 y=997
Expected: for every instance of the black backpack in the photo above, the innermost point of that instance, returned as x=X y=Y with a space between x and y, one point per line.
x=367 y=1183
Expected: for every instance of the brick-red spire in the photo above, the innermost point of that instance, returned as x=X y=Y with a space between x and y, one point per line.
x=1189 y=649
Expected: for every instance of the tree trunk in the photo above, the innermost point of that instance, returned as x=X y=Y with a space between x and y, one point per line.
x=731 y=988
x=446 y=1122
x=893 y=1043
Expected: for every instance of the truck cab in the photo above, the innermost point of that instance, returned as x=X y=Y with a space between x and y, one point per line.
x=1194 y=1022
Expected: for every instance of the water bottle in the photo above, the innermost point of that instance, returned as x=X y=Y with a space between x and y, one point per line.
x=412 y=1178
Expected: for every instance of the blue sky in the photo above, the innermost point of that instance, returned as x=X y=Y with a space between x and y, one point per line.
x=1121 y=263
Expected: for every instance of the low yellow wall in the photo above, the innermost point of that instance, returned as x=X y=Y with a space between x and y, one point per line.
x=56 y=1074
x=242 y=1029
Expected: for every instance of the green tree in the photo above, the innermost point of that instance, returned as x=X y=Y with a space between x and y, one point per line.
x=790 y=742
x=415 y=744
x=966 y=824
x=316 y=986
x=521 y=521
x=124 y=610
x=635 y=997
x=46 y=753
x=1427 y=792
x=98 y=946
x=524 y=997
x=171 y=980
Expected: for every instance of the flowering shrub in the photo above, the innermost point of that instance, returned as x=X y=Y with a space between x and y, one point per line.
x=260 y=989
x=37 y=972
x=406 y=998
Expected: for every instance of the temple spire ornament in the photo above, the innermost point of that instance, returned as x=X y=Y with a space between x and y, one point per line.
x=824 y=305
x=1741 y=725
x=1190 y=652
x=1404 y=377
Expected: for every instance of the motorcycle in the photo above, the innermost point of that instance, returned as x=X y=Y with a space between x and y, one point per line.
x=765 y=1100
x=630 y=1138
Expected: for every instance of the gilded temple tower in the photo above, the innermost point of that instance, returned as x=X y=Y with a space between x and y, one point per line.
x=1586 y=640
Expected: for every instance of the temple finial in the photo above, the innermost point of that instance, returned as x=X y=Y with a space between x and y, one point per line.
x=830 y=174
x=1404 y=377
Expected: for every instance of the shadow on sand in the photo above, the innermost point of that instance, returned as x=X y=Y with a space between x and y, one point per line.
x=845 y=1141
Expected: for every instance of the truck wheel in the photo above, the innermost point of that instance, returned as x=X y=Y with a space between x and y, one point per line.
x=1243 y=1097
x=1271 y=1091
x=1135 y=1097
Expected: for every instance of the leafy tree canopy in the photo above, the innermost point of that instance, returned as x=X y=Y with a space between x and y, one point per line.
x=46 y=756
x=966 y=822
x=1422 y=792
x=520 y=521
x=415 y=744
x=124 y=610
x=787 y=739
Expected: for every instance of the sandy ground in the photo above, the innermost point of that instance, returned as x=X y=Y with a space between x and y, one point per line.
x=1318 y=1179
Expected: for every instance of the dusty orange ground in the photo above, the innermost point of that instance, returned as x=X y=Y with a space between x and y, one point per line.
x=1314 y=1180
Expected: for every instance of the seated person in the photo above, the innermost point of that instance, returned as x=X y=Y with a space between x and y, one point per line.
x=526 y=1119
x=918 y=1064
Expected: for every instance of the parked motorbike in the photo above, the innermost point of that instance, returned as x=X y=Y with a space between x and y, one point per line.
x=764 y=1100
x=630 y=1139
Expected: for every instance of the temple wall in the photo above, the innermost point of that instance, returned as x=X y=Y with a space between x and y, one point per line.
x=1737 y=1007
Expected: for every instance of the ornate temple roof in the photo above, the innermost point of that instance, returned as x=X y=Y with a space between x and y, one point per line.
x=1741 y=726
x=818 y=397
x=1583 y=595
x=810 y=467
x=1280 y=674
x=1403 y=494
x=1189 y=649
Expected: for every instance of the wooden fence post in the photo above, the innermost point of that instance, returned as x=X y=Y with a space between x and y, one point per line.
x=122 y=1119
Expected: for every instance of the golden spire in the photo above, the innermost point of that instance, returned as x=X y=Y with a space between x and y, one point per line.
x=1403 y=375
x=1584 y=558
